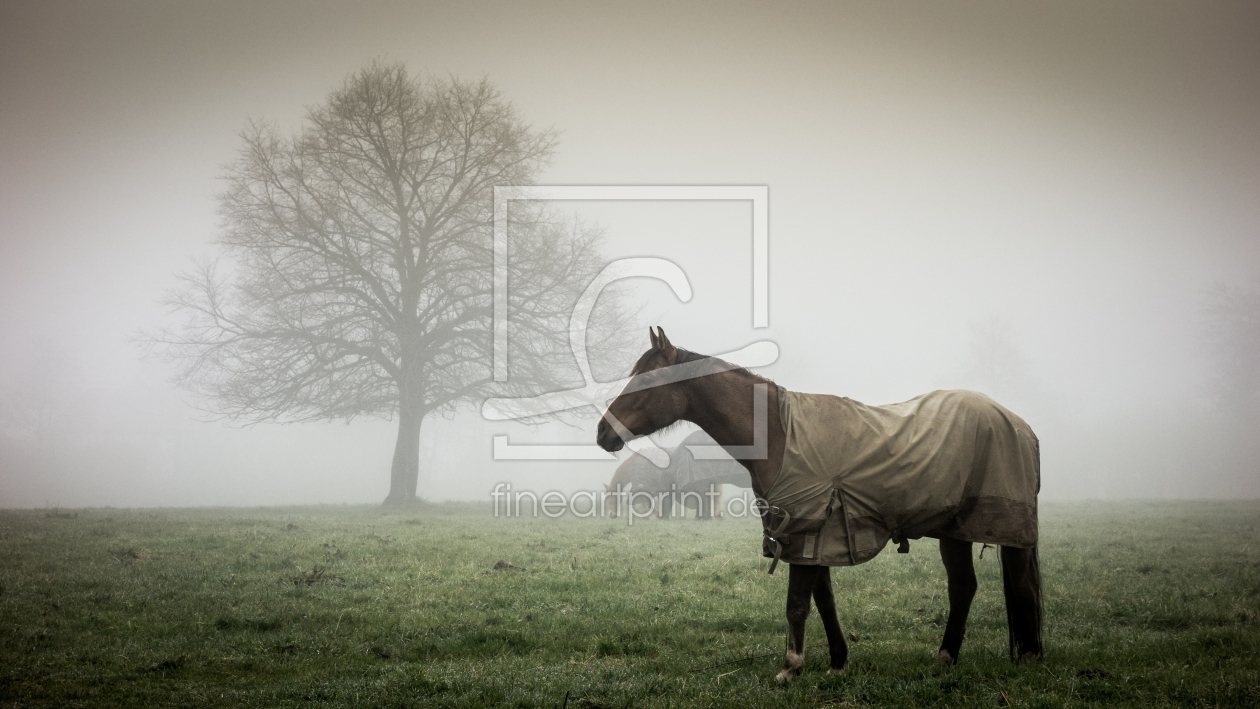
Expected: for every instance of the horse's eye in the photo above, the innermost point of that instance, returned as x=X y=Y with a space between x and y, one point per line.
x=643 y=380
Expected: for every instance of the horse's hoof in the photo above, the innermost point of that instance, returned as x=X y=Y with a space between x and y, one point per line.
x=944 y=658
x=1030 y=658
x=835 y=670
x=786 y=676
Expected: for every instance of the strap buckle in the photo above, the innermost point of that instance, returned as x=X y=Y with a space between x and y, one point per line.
x=778 y=545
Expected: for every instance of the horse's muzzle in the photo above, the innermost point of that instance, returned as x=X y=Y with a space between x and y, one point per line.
x=607 y=438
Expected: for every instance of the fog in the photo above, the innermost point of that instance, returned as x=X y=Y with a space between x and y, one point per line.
x=1034 y=201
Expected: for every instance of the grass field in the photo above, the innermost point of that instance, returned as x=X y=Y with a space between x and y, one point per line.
x=1151 y=604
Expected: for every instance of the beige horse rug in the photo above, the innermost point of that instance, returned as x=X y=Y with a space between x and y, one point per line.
x=946 y=464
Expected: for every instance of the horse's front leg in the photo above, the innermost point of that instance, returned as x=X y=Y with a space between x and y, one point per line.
x=801 y=580
x=825 y=600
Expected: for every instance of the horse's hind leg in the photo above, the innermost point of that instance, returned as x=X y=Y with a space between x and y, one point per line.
x=1021 y=583
x=826 y=602
x=962 y=588
x=801 y=581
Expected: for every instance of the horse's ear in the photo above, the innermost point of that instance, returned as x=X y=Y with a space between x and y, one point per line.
x=671 y=354
x=652 y=336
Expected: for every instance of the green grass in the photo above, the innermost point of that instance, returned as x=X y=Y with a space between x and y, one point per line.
x=1150 y=604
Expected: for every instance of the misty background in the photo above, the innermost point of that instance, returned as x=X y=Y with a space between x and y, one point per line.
x=1055 y=204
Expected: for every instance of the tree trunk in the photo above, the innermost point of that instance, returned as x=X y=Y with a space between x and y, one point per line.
x=405 y=472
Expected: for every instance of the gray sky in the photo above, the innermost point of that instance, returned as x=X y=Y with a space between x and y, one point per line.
x=1080 y=171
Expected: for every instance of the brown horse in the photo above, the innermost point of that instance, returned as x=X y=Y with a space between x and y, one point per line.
x=669 y=384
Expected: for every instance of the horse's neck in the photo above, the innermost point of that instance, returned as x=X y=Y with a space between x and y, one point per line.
x=723 y=405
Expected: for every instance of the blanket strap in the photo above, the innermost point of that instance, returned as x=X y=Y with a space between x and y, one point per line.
x=903 y=544
x=778 y=546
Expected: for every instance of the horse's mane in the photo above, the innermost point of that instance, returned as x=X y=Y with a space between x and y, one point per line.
x=689 y=356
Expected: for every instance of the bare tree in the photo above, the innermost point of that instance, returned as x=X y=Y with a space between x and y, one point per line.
x=994 y=359
x=361 y=251
x=37 y=396
x=1233 y=339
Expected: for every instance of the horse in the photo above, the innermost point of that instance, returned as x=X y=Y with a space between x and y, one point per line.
x=700 y=477
x=635 y=477
x=689 y=482
x=670 y=384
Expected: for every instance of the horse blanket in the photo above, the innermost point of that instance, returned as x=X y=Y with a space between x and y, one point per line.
x=946 y=464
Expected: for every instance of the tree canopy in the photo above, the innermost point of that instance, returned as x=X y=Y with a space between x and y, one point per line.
x=359 y=273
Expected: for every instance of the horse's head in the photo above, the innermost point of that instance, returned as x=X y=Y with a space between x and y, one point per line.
x=646 y=405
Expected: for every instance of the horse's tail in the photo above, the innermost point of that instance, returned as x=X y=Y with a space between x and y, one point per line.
x=1021 y=584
